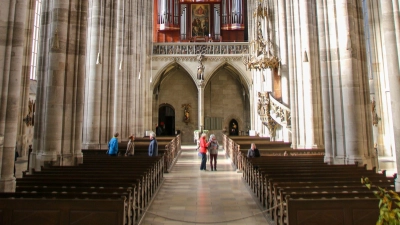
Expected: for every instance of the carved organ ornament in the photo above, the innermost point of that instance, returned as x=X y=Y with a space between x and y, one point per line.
x=261 y=51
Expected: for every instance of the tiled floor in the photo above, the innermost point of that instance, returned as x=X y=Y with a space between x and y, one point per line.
x=191 y=196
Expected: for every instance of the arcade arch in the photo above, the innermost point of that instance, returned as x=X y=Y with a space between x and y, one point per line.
x=223 y=92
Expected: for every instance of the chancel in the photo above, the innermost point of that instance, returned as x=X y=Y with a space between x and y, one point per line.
x=313 y=84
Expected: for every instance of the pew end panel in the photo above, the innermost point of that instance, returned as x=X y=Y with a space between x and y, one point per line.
x=62 y=211
x=351 y=211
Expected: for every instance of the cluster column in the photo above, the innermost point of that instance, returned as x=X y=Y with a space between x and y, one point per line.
x=13 y=16
x=58 y=121
x=390 y=18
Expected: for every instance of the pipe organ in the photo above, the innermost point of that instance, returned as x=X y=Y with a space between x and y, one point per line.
x=199 y=20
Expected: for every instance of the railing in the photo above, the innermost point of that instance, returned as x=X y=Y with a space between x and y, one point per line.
x=171 y=152
x=280 y=113
x=191 y=48
x=232 y=150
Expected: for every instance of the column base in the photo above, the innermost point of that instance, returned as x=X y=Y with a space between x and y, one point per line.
x=349 y=160
x=8 y=185
x=38 y=160
x=95 y=146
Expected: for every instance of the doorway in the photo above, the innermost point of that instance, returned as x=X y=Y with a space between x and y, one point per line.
x=166 y=120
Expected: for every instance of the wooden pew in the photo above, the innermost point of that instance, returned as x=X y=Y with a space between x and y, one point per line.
x=135 y=178
x=63 y=209
x=270 y=171
x=346 y=209
x=317 y=192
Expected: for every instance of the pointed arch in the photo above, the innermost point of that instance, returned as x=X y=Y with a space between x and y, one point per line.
x=244 y=80
x=157 y=78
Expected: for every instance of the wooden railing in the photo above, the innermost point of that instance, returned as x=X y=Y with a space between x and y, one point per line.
x=232 y=150
x=171 y=152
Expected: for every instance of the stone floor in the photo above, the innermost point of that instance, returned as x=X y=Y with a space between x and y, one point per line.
x=191 y=196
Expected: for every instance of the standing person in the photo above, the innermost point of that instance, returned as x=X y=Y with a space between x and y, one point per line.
x=130 y=148
x=113 y=145
x=253 y=151
x=158 y=130
x=153 y=146
x=213 y=152
x=203 y=151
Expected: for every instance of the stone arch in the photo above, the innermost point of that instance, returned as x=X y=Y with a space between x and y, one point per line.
x=244 y=80
x=237 y=69
x=170 y=66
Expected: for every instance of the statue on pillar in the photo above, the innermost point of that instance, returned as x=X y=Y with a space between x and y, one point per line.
x=200 y=68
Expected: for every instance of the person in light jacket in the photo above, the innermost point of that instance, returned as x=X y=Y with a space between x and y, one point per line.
x=153 y=146
x=213 y=148
x=130 y=148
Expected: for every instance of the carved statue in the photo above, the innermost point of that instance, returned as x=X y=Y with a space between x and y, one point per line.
x=186 y=114
x=375 y=118
x=200 y=68
x=30 y=118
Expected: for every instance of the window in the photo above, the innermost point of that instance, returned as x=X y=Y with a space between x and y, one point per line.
x=35 y=39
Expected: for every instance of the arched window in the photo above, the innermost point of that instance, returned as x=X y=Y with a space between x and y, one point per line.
x=35 y=39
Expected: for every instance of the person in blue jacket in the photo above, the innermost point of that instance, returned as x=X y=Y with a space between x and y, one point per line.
x=113 y=145
x=153 y=146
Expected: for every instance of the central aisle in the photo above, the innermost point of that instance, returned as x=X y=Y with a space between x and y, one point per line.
x=191 y=196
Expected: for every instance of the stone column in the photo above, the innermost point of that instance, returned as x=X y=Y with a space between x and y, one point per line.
x=325 y=79
x=309 y=126
x=24 y=129
x=283 y=44
x=200 y=88
x=391 y=59
x=119 y=76
x=291 y=71
x=353 y=91
x=60 y=84
x=94 y=74
x=11 y=50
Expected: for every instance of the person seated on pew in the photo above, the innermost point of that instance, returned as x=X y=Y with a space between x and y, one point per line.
x=130 y=149
x=253 y=151
x=153 y=146
x=113 y=145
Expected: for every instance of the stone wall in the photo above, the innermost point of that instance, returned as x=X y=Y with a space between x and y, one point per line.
x=223 y=97
x=176 y=89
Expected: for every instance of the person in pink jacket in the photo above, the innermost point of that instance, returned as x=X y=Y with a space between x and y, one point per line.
x=203 y=151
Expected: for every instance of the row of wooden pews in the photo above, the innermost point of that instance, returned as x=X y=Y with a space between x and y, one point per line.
x=103 y=190
x=169 y=146
x=278 y=180
x=301 y=189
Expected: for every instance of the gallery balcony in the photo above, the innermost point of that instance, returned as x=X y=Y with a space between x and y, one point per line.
x=203 y=48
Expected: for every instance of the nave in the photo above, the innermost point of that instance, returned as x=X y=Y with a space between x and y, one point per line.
x=191 y=196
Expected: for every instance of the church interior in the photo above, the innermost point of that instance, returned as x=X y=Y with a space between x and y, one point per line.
x=313 y=83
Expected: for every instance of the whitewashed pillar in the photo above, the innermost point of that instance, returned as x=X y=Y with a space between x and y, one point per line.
x=200 y=89
x=94 y=76
x=391 y=58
